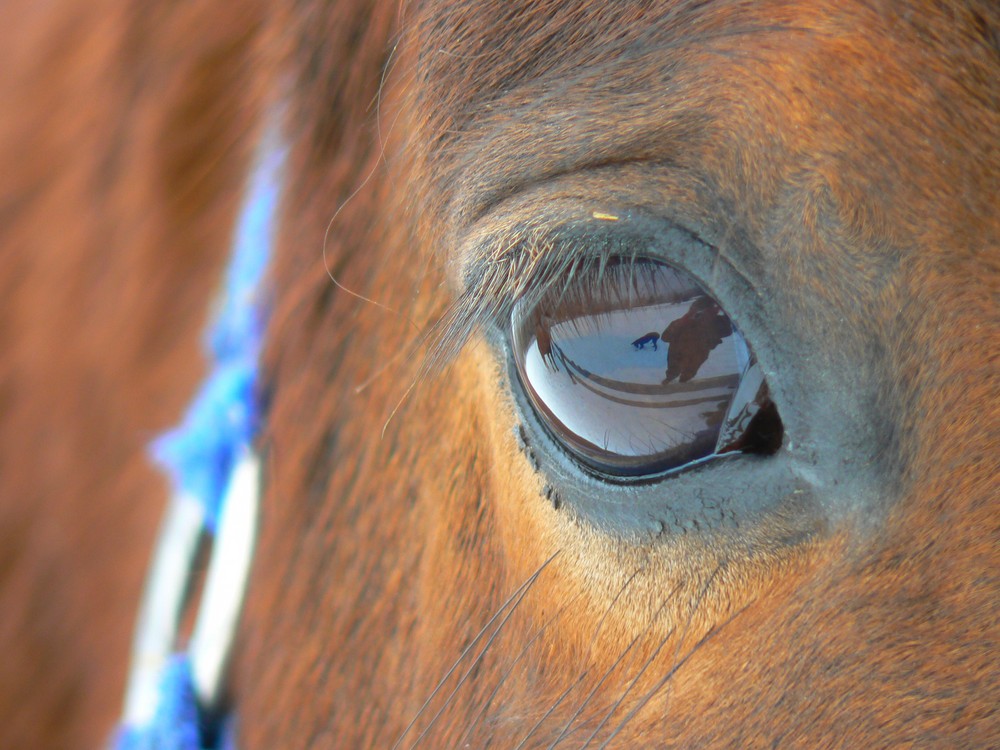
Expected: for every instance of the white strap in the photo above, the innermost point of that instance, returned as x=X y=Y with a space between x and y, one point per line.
x=225 y=587
x=164 y=599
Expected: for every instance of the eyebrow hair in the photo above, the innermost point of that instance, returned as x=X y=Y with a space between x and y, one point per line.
x=547 y=122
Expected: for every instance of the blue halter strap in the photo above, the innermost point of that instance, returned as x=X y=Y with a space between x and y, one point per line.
x=175 y=690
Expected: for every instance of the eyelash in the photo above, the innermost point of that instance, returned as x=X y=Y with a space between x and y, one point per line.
x=528 y=271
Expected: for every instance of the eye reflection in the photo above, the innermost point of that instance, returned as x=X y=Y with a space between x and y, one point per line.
x=636 y=369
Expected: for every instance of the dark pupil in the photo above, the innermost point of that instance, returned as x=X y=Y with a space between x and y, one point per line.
x=636 y=369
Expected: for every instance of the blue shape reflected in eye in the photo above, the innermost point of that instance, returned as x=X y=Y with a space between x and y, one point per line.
x=636 y=369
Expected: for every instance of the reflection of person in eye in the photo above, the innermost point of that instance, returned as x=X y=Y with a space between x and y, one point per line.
x=692 y=337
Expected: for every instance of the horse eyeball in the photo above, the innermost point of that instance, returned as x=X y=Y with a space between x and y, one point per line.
x=635 y=369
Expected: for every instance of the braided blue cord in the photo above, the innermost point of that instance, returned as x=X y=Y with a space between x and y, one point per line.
x=200 y=454
x=220 y=425
x=176 y=725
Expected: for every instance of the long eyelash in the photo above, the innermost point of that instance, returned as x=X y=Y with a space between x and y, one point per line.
x=513 y=271
x=532 y=270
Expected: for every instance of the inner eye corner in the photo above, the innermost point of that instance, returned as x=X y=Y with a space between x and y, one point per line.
x=637 y=371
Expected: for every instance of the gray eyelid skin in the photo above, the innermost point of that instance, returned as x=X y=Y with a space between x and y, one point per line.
x=827 y=423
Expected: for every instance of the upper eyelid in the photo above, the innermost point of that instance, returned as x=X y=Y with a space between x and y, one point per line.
x=500 y=265
x=652 y=201
x=493 y=284
x=554 y=221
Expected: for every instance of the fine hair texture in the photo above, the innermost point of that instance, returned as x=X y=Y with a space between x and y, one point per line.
x=431 y=570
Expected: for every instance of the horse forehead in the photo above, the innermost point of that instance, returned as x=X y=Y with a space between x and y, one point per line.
x=766 y=105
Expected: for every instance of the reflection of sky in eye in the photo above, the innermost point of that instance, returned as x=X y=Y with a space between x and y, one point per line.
x=602 y=344
x=612 y=395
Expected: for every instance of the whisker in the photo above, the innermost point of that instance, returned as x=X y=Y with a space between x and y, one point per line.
x=396 y=408
x=607 y=673
x=380 y=159
x=552 y=708
x=525 y=585
x=600 y=624
x=590 y=695
x=489 y=699
x=697 y=604
x=437 y=330
x=475 y=662
x=628 y=689
x=390 y=64
x=669 y=675
x=642 y=670
x=675 y=665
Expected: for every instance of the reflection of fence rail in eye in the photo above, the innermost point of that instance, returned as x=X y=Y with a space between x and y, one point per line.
x=614 y=390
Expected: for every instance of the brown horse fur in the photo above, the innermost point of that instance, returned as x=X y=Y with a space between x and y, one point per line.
x=840 y=158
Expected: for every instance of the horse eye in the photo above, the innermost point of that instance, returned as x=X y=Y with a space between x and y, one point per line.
x=635 y=369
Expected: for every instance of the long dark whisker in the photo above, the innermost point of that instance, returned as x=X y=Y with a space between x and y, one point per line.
x=687 y=625
x=628 y=689
x=604 y=677
x=600 y=624
x=642 y=670
x=500 y=610
x=475 y=662
x=667 y=677
x=590 y=695
x=675 y=664
x=552 y=708
x=503 y=678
